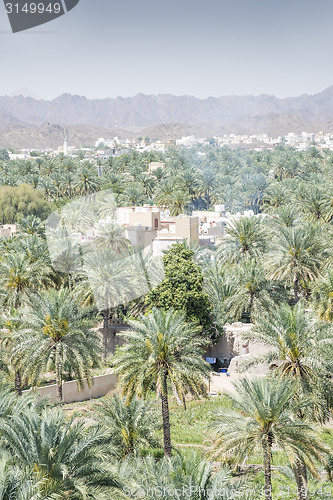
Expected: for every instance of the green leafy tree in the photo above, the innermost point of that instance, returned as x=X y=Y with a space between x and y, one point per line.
x=4 y=156
x=19 y=202
x=182 y=287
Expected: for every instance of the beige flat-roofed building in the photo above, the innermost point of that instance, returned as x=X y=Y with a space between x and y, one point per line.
x=146 y=216
x=185 y=227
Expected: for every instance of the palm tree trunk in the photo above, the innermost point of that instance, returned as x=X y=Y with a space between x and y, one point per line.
x=296 y=290
x=18 y=383
x=301 y=481
x=251 y=306
x=59 y=382
x=106 y=314
x=166 y=418
x=267 y=450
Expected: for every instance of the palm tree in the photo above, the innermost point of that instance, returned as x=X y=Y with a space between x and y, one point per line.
x=298 y=256
x=251 y=291
x=247 y=238
x=86 y=181
x=19 y=276
x=56 y=333
x=162 y=348
x=323 y=296
x=31 y=225
x=191 y=477
x=113 y=236
x=285 y=216
x=16 y=483
x=275 y=196
x=206 y=182
x=219 y=287
x=314 y=201
x=261 y=416
x=301 y=348
x=112 y=279
x=77 y=215
x=63 y=455
x=129 y=426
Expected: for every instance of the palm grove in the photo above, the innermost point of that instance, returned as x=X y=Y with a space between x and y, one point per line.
x=273 y=270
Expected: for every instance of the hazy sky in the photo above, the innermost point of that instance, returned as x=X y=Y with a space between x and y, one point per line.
x=104 y=48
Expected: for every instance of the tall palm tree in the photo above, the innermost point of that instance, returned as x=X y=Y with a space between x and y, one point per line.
x=111 y=279
x=323 y=295
x=301 y=349
x=113 y=236
x=86 y=181
x=56 y=333
x=246 y=238
x=299 y=254
x=65 y=456
x=261 y=416
x=20 y=276
x=129 y=426
x=251 y=291
x=219 y=287
x=162 y=348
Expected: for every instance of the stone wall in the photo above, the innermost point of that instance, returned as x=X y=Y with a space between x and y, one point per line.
x=102 y=385
x=233 y=347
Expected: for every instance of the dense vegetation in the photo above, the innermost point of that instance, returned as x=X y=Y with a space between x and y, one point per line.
x=273 y=270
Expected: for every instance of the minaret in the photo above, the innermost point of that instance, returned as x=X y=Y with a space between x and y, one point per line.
x=66 y=147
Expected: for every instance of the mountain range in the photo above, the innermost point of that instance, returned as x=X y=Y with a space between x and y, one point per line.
x=31 y=122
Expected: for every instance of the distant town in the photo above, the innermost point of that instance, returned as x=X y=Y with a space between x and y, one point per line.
x=105 y=148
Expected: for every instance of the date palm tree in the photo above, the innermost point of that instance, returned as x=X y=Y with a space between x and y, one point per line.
x=86 y=181
x=251 y=291
x=219 y=287
x=63 y=455
x=162 y=348
x=31 y=225
x=301 y=349
x=20 y=275
x=323 y=296
x=261 y=416
x=112 y=235
x=56 y=333
x=111 y=279
x=129 y=427
x=16 y=483
x=299 y=254
x=191 y=477
x=247 y=239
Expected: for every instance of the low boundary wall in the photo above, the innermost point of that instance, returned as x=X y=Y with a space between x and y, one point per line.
x=102 y=385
